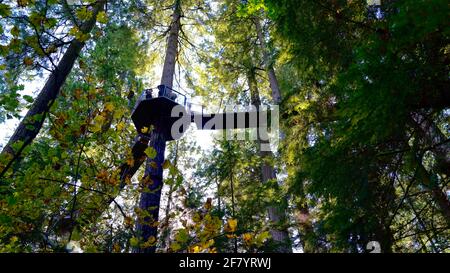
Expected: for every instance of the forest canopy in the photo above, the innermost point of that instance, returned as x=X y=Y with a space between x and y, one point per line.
x=363 y=154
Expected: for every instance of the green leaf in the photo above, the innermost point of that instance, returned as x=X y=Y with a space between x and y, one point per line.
x=83 y=13
x=5 y=10
x=134 y=242
x=15 y=31
x=182 y=236
x=76 y=236
x=28 y=98
x=101 y=17
x=150 y=152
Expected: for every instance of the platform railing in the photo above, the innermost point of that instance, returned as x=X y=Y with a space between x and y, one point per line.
x=162 y=91
x=172 y=94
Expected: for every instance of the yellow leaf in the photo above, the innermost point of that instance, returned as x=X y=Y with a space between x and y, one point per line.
x=109 y=106
x=247 y=237
x=151 y=239
x=118 y=113
x=134 y=242
x=196 y=249
x=302 y=106
x=101 y=17
x=13 y=239
x=74 y=31
x=207 y=244
x=116 y=248
x=144 y=130
x=232 y=224
x=166 y=164
x=196 y=218
x=92 y=91
x=22 y=3
x=153 y=165
x=130 y=161
x=262 y=237
x=120 y=126
x=175 y=246
x=212 y=250
x=98 y=123
x=150 y=242
x=78 y=34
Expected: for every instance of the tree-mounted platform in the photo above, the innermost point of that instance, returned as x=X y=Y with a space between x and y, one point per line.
x=155 y=111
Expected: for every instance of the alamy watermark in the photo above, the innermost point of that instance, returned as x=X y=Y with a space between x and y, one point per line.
x=239 y=122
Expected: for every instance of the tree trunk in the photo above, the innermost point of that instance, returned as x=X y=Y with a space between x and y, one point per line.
x=377 y=210
x=276 y=214
x=151 y=197
x=439 y=197
x=149 y=201
x=306 y=231
x=276 y=94
x=440 y=145
x=32 y=123
x=172 y=47
x=165 y=242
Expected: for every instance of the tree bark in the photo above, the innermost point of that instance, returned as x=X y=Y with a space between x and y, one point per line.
x=165 y=242
x=172 y=47
x=276 y=215
x=276 y=94
x=307 y=236
x=440 y=145
x=31 y=124
x=151 y=201
x=151 y=197
x=438 y=195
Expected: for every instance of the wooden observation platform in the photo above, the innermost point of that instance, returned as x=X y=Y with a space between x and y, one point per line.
x=155 y=110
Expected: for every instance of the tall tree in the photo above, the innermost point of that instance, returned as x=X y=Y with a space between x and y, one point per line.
x=32 y=122
x=267 y=169
x=151 y=197
x=276 y=213
x=352 y=143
